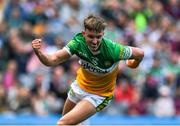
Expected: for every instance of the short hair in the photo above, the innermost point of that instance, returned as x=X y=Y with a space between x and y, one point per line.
x=94 y=23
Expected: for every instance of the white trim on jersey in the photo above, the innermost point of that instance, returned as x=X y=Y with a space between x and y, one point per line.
x=68 y=50
x=130 y=52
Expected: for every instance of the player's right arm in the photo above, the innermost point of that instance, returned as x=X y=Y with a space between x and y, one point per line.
x=49 y=60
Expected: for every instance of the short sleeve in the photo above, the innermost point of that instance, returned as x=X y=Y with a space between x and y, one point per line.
x=125 y=52
x=71 y=47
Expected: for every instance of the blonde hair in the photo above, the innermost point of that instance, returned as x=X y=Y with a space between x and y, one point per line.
x=94 y=23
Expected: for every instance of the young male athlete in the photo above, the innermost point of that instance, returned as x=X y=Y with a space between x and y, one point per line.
x=96 y=78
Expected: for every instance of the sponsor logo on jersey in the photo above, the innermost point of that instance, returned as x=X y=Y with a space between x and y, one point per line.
x=92 y=68
x=107 y=63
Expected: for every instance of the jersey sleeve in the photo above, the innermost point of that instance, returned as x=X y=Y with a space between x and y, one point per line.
x=122 y=52
x=125 y=52
x=72 y=47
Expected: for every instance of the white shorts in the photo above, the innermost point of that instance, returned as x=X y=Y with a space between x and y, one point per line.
x=77 y=94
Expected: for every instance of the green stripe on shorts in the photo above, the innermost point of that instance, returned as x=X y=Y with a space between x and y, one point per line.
x=71 y=92
x=103 y=104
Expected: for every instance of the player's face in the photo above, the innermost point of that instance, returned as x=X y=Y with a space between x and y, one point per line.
x=93 y=39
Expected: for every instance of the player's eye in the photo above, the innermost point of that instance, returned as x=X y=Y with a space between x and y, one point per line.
x=98 y=37
x=91 y=36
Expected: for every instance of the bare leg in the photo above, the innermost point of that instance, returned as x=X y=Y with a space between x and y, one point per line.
x=68 y=106
x=83 y=110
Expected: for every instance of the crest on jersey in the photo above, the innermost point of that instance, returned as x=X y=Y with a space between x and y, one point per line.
x=107 y=63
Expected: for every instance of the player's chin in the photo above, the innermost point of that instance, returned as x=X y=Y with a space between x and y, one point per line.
x=93 y=48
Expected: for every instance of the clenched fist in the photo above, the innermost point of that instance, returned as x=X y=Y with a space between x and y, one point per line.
x=36 y=44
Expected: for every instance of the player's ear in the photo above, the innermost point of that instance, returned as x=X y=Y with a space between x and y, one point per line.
x=103 y=32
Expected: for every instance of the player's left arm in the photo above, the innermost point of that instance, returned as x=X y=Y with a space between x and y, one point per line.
x=136 y=57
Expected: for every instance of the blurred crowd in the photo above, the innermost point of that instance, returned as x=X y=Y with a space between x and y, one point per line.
x=27 y=86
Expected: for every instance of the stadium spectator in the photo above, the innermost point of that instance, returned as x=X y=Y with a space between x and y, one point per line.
x=164 y=105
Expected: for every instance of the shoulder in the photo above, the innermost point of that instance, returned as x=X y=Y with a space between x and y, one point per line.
x=110 y=43
x=79 y=37
x=76 y=44
x=76 y=41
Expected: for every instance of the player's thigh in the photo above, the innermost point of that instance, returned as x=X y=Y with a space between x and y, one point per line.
x=83 y=110
x=68 y=106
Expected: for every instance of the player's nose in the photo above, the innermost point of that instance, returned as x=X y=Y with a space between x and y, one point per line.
x=94 y=41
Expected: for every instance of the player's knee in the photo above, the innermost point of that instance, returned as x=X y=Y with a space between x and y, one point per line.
x=65 y=122
x=61 y=122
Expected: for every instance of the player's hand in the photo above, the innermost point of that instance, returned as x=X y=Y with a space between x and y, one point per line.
x=37 y=44
x=132 y=63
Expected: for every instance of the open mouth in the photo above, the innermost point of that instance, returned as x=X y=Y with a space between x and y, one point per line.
x=94 y=48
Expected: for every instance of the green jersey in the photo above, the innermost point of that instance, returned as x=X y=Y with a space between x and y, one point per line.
x=98 y=69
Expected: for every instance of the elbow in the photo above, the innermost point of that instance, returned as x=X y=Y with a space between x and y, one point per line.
x=46 y=63
x=52 y=61
x=141 y=53
x=138 y=56
x=49 y=62
x=137 y=53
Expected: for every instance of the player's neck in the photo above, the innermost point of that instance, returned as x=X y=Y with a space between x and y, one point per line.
x=95 y=52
